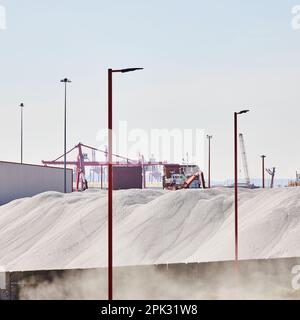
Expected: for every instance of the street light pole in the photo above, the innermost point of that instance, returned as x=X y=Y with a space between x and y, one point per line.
x=236 y=234
x=110 y=187
x=236 y=186
x=22 y=107
x=209 y=158
x=65 y=81
x=110 y=177
x=263 y=171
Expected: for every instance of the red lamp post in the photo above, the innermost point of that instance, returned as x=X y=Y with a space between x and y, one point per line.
x=110 y=180
x=236 y=181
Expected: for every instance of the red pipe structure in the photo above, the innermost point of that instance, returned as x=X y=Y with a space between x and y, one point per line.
x=80 y=174
x=101 y=172
x=236 y=234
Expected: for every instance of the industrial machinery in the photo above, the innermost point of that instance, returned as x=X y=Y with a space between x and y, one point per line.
x=271 y=172
x=182 y=177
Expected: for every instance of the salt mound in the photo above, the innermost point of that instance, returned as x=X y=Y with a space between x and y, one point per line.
x=57 y=231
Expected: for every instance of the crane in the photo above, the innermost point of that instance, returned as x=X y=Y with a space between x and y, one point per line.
x=244 y=160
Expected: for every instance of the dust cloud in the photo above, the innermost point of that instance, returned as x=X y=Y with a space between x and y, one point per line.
x=251 y=280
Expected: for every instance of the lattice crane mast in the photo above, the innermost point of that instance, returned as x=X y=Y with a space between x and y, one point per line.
x=244 y=159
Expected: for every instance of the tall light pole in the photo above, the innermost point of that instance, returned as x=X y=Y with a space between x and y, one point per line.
x=209 y=166
x=65 y=81
x=110 y=180
x=22 y=107
x=263 y=170
x=236 y=235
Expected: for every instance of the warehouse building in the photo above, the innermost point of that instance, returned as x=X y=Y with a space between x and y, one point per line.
x=26 y=180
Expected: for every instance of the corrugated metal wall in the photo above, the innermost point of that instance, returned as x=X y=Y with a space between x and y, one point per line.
x=19 y=181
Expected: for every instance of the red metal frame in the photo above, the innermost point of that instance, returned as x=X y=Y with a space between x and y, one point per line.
x=110 y=188
x=81 y=163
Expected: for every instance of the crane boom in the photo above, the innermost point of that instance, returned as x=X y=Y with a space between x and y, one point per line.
x=244 y=159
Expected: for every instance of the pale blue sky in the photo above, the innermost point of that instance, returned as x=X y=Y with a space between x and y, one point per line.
x=202 y=59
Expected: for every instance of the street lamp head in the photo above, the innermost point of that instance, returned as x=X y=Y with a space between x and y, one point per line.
x=22 y=105
x=243 y=111
x=263 y=156
x=130 y=70
x=209 y=137
x=66 y=80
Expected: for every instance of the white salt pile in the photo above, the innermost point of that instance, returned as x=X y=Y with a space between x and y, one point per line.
x=56 y=231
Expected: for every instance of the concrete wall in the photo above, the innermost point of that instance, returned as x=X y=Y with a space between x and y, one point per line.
x=19 y=181
x=253 y=279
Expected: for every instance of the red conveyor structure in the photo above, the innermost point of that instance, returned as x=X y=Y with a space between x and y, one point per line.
x=81 y=163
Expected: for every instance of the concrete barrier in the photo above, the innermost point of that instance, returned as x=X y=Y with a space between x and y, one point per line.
x=252 y=279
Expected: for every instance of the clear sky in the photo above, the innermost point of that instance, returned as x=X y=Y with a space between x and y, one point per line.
x=203 y=60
